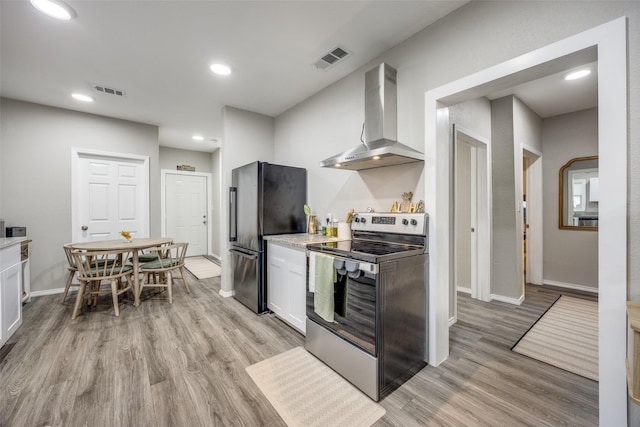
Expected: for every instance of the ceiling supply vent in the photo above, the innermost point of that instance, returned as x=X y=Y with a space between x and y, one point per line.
x=331 y=58
x=108 y=90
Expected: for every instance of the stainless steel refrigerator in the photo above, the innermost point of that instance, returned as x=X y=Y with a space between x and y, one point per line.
x=264 y=199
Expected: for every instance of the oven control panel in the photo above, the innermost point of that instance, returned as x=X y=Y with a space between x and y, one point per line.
x=401 y=223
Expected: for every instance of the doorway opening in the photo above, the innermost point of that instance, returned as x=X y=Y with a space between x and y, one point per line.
x=472 y=210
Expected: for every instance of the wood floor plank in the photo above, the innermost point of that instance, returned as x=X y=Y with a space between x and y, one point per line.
x=183 y=364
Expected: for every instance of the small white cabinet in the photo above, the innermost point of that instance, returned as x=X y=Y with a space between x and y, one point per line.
x=287 y=284
x=11 y=290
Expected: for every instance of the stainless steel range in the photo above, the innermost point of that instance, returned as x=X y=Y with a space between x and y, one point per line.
x=367 y=301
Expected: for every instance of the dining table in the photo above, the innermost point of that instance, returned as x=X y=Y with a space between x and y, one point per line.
x=135 y=245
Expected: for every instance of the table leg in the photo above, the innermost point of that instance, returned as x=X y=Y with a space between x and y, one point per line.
x=136 y=283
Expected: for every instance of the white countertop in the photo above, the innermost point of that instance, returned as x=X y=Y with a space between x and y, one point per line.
x=5 y=242
x=300 y=240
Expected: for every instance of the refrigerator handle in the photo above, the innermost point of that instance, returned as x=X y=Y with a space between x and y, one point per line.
x=233 y=214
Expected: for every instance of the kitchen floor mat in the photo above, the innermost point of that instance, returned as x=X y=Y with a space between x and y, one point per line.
x=202 y=268
x=306 y=392
x=566 y=336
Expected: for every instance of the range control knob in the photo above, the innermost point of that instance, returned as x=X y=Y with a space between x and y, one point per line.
x=363 y=220
x=405 y=222
x=414 y=222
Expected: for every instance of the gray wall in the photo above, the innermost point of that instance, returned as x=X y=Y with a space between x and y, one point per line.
x=472 y=38
x=507 y=244
x=172 y=157
x=248 y=137
x=570 y=256
x=36 y=175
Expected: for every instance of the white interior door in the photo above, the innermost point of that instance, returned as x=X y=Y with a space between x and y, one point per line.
x=110 y=193
x=186 y=210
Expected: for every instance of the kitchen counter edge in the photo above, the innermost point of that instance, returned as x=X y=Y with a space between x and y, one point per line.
x=300 y=240
x=5 y=242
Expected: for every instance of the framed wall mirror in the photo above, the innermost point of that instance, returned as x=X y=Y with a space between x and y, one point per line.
x=578 y=193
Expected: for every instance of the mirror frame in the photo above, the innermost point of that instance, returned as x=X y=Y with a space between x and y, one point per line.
x=561 y=195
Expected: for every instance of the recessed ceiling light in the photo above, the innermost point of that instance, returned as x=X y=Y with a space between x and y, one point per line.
x=55 y=9
x=220 y=69
x=81 y=97
x=198 y=138
x=577 y=74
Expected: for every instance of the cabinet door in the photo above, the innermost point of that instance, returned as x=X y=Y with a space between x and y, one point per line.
x=297 y=281
x=11 y=300
x=276 y=280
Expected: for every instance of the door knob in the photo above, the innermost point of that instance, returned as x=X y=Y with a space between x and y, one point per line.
x=84 y=228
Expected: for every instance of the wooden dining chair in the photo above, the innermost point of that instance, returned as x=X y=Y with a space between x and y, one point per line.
x=72 y=268
x=94 y=267
x=159 y=272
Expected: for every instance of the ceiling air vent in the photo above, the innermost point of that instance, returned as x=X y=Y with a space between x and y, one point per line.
x=331 y=58
x=108 y=90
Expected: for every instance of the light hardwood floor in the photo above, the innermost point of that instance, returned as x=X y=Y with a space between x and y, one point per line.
x=184 y=365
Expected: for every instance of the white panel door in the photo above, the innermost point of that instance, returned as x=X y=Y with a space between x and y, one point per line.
x=186 y=211
x=110 y=195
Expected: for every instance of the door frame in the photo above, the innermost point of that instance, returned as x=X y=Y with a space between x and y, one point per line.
x=481 y=211
x=163 y=201
x=76 y=153
x=610 y=41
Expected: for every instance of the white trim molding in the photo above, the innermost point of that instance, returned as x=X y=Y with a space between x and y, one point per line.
x=508 y=300
x=571 y=286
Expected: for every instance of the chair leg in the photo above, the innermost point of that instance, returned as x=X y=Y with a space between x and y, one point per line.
x=79 y=298
x=184 y=282
x=68 y=285
x=114 y=294
x=169 y=289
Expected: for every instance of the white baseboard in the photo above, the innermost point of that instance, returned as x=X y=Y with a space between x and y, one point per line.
x=47 y=292
x=216 y=257
x=452 y=321
x=226 y=294
x=464 y=290
x=570 y=286
x=509 y=300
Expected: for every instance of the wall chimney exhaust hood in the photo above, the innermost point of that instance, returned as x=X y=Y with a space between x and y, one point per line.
x=379 y=147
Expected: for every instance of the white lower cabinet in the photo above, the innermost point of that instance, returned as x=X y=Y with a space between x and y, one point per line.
x=10 y=292
x=287 y=284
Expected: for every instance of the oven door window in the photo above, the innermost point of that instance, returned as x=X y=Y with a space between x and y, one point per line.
x=355 y=311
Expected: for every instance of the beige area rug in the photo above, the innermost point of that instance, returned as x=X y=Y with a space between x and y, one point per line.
x=306 y=392
x=202 y=268
x=566 y=336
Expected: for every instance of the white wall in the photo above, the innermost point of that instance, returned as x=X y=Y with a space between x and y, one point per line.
x=248 y=137
x=570 y=256
x=36 y=175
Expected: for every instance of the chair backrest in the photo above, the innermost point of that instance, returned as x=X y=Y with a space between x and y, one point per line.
x=67 y=251
x=98 y=265
x=167 y=257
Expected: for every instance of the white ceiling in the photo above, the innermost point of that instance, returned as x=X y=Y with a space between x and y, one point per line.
x=159 y=52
